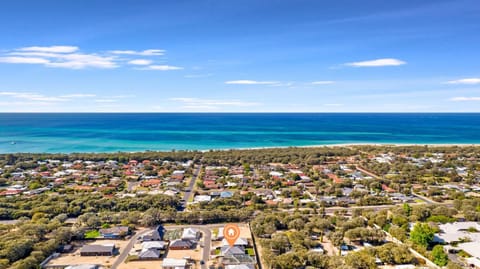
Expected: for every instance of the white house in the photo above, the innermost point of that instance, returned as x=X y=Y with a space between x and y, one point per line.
x=239 y=242
x=190 y=234
x=170 y=263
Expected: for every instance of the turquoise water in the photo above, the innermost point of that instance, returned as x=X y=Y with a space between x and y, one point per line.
x=102 y=132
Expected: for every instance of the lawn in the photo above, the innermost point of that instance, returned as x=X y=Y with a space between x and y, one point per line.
x=173 y=234
x=250 y=251
x=92 y=234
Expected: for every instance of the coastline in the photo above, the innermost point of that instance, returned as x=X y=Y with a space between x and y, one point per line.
x=266 y=148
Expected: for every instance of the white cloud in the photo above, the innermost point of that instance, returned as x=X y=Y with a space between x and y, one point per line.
x=105 y=101
x=377 y=63
x=462 y=98
x=80 y=61
x=161 y=67
x=333 y=104
x=33 y=96
x=23 y=60
x=140 y=62
x=469 y=81
x=54 y=49
x=250 y=82
x=71 y=57
x=78 y=95
x=198 y=102
x=198 y=75
x=62 y=60
x=149 y=52
x=322 y=82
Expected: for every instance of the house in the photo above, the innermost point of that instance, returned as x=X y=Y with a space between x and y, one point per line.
x=240 y=266
x=235 y=250
x=238 y=259
x=83 y=266
x=202 y=198
x=239 y=242
x=334 y=178
x=151 y=183
x=226 y=194
x=149 y=254
x=158 y=245
x=169 y=263
x=115 y=232
x=179 y=244
x=153 y=236
x=190 y=234
x=455 y=232
x=97 y=250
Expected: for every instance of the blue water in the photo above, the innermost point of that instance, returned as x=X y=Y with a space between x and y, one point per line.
x=164 y=131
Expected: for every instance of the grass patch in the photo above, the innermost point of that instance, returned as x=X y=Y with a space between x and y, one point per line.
x=250 y=251
x=92 y=234
x=173 y=234
x=217 y=252
x=463 y=254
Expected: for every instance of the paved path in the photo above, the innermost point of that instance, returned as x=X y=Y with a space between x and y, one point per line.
x=127 y=248
x=190 y=187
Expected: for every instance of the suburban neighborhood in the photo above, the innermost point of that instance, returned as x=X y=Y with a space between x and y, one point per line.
x=324 y=207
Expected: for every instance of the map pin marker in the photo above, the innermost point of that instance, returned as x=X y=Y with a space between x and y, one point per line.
x=231 y=232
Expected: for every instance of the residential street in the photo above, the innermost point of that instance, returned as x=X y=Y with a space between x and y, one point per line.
x=190 y=187
x=123 y=255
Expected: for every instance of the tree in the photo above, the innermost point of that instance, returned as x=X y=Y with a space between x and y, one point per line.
x=317 y=260
x=336 y=238
x=360 y=260
x=280 y=243
x=289 y=260
x=398 y=232
x=422 y=234
x=440 y=258
x=392 y=253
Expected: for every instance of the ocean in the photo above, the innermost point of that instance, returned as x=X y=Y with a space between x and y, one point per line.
x=112 y=132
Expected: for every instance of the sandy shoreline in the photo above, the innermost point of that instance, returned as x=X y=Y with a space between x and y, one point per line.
x=349 y=145
x=260 y=148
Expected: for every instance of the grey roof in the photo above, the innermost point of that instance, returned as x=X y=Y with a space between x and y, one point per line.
x=97 y=248
x=82 y=266
x=181 y=243
x=149 y=254
x=228 y=250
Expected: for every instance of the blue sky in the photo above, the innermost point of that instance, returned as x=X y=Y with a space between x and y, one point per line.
x=240 y=56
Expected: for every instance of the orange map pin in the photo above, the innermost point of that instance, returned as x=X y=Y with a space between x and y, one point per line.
x=231 y=232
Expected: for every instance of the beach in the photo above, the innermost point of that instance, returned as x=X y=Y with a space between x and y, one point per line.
x=137 y=132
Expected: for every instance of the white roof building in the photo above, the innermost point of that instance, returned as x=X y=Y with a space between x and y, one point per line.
x=239 y=242
x=276 y=174
x=170 y=263
x=154 y=244
x=454 y=232
x=202 y=198
x=240 y=266
x=190 y=234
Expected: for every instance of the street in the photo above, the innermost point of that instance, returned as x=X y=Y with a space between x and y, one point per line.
x=189 y=190
x=123 y=255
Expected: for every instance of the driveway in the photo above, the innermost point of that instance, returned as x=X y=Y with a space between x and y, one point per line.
x=123 y=255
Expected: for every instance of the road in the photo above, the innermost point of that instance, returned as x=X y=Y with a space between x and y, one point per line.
x=189 y=191
x=123 y=255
